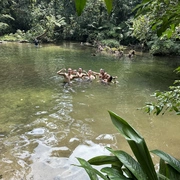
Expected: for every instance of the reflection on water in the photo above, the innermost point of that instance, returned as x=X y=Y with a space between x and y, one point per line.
x=47 y=161
x=45 y=126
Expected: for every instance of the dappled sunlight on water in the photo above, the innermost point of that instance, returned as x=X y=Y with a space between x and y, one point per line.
x=45 y=126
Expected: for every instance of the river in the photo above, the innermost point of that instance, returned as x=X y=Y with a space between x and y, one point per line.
x=44 y=126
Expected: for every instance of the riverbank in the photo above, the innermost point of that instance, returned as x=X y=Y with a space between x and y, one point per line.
x=117 y=52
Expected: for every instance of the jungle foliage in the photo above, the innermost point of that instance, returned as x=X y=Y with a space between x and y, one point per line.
x=162 y=25
x=127 y=22
x=58 y=20
x=166 y=101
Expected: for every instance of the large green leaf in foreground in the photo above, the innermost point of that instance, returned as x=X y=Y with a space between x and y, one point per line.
x=167 y=172
x=168 y=158
x=113 y=174
x=137 y=144
x=90 y=170
x=129 y=163
x=102 y=160
x=80 y=4
x=109 y=5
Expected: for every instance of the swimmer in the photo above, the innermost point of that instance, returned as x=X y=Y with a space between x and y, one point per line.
x=36 y=42
x=107 y=81
x=68 y=76
x=107 y=78
x=81 y=73
x=74 y=72
x=101 y=74
x=90 y=76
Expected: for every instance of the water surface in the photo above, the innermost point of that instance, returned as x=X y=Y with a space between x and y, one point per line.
x=44 y=126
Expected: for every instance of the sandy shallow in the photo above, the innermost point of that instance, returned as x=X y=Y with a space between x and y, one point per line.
x=53 y=168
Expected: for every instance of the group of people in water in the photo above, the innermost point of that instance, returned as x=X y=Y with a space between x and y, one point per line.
x=81 y=74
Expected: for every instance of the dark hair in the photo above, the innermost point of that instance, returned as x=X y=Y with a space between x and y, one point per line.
x=110 y=79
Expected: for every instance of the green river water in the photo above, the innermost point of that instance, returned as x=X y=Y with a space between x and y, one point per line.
x=44 y=126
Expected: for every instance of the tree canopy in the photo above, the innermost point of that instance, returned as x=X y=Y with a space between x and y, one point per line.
x=151 y=23
x=163 y=15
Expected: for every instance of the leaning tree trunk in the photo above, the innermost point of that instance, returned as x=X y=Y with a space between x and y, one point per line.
x=43 y=34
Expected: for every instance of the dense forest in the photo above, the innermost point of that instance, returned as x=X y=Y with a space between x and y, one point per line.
x=55 y=20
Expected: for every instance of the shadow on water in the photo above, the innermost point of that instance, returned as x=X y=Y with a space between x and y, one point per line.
x=45 y=126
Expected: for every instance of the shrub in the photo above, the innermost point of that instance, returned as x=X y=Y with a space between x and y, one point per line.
x=110 y=43
x=165 y=47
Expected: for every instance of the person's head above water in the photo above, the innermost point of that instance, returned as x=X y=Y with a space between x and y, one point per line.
x=69 y=70
x=109 y=79
x=80 y=70
x=102 y=71
x=90 y=71
x=74 y=71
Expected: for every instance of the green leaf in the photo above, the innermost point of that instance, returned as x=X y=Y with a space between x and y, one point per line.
x=168 y=158
x=7 y=16
x=161 y=177
x=142 y=8
x=90 y=170
x=101 y=160
x=163 y=170
x=128 y=173
x=137 y=144
x=108 y=5
x=80 y=4
x=124 y=128
x=113 y=174
x=167 y=172
x=175 y=109
x=130 y=163
x=146 y=1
